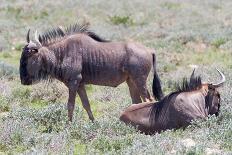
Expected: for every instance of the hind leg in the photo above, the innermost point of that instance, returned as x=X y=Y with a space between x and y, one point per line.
x=142 y=89
x=135 y=96
x=85 y=102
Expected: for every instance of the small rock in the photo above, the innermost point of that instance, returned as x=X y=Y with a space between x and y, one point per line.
x=4 y=114
x=173 y=152
x=193 y=66
x=197 y=46
x=188 y=142
x=2 y=153
x=210 y=151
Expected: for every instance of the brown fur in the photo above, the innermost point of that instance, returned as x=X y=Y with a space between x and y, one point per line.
x=78 y=57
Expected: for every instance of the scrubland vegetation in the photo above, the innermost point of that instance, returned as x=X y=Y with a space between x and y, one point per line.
x=183 y=33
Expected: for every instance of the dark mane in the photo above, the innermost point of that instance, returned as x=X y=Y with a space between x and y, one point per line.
x=188 y=85
x=185 y=86
x=57 y=33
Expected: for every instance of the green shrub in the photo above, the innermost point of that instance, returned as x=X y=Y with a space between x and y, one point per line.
x=218 y=42
x=3 y=147
x=4 y=106
x=6 y=55
x=21 y=92
x=51 y=119
x=7 y=70
x=17 y=138
x=106 y=144
x=171 y=5
x=125 y=20
x=19 y=46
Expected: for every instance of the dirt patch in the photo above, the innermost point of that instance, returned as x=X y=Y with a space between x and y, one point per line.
x=197 y=46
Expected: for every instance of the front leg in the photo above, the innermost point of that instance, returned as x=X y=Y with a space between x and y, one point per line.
x=72 y=88
x=71 y=102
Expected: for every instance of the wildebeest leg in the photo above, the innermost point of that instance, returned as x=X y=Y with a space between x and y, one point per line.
x=85 y=102
x=72 y=88
x=135 y=96
x=142 y=88
x=71 y=102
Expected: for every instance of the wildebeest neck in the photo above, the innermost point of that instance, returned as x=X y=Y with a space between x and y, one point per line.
x=52 y=62
x=63 y=59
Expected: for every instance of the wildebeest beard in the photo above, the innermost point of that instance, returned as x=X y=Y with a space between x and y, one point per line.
x=209 y=102
x=23 y=67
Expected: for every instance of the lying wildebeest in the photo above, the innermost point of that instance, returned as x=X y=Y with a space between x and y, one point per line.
x=76 y=56
x=192 y=100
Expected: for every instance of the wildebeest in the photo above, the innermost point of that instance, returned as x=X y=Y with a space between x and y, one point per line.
x=192 y=100
x=76 y=56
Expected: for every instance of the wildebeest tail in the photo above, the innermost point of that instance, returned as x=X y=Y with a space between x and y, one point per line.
x=156 y=86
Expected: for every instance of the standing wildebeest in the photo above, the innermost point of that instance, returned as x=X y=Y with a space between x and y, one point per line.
x=191 y=101
x=77 y=56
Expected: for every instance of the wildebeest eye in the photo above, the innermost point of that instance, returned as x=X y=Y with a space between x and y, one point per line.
x=33 y=51
x=211 y=88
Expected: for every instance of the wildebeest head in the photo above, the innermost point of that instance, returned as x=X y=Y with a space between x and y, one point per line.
x=212 y=98
x=31 y=60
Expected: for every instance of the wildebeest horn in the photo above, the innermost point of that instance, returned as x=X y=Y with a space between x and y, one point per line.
x=28 y=36
x=36 y=38
x=223 y=79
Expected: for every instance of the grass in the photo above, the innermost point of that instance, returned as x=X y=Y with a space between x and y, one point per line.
x=7 y=71
x=218 y=42
x=33 y=119
x=208 y=57
x=125 y=20
x=171 y=5
x=4 y=106
x=10 y=57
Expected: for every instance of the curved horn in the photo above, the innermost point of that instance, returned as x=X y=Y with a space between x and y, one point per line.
x=28 y=36
x=223 y=79
x=37 y=39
